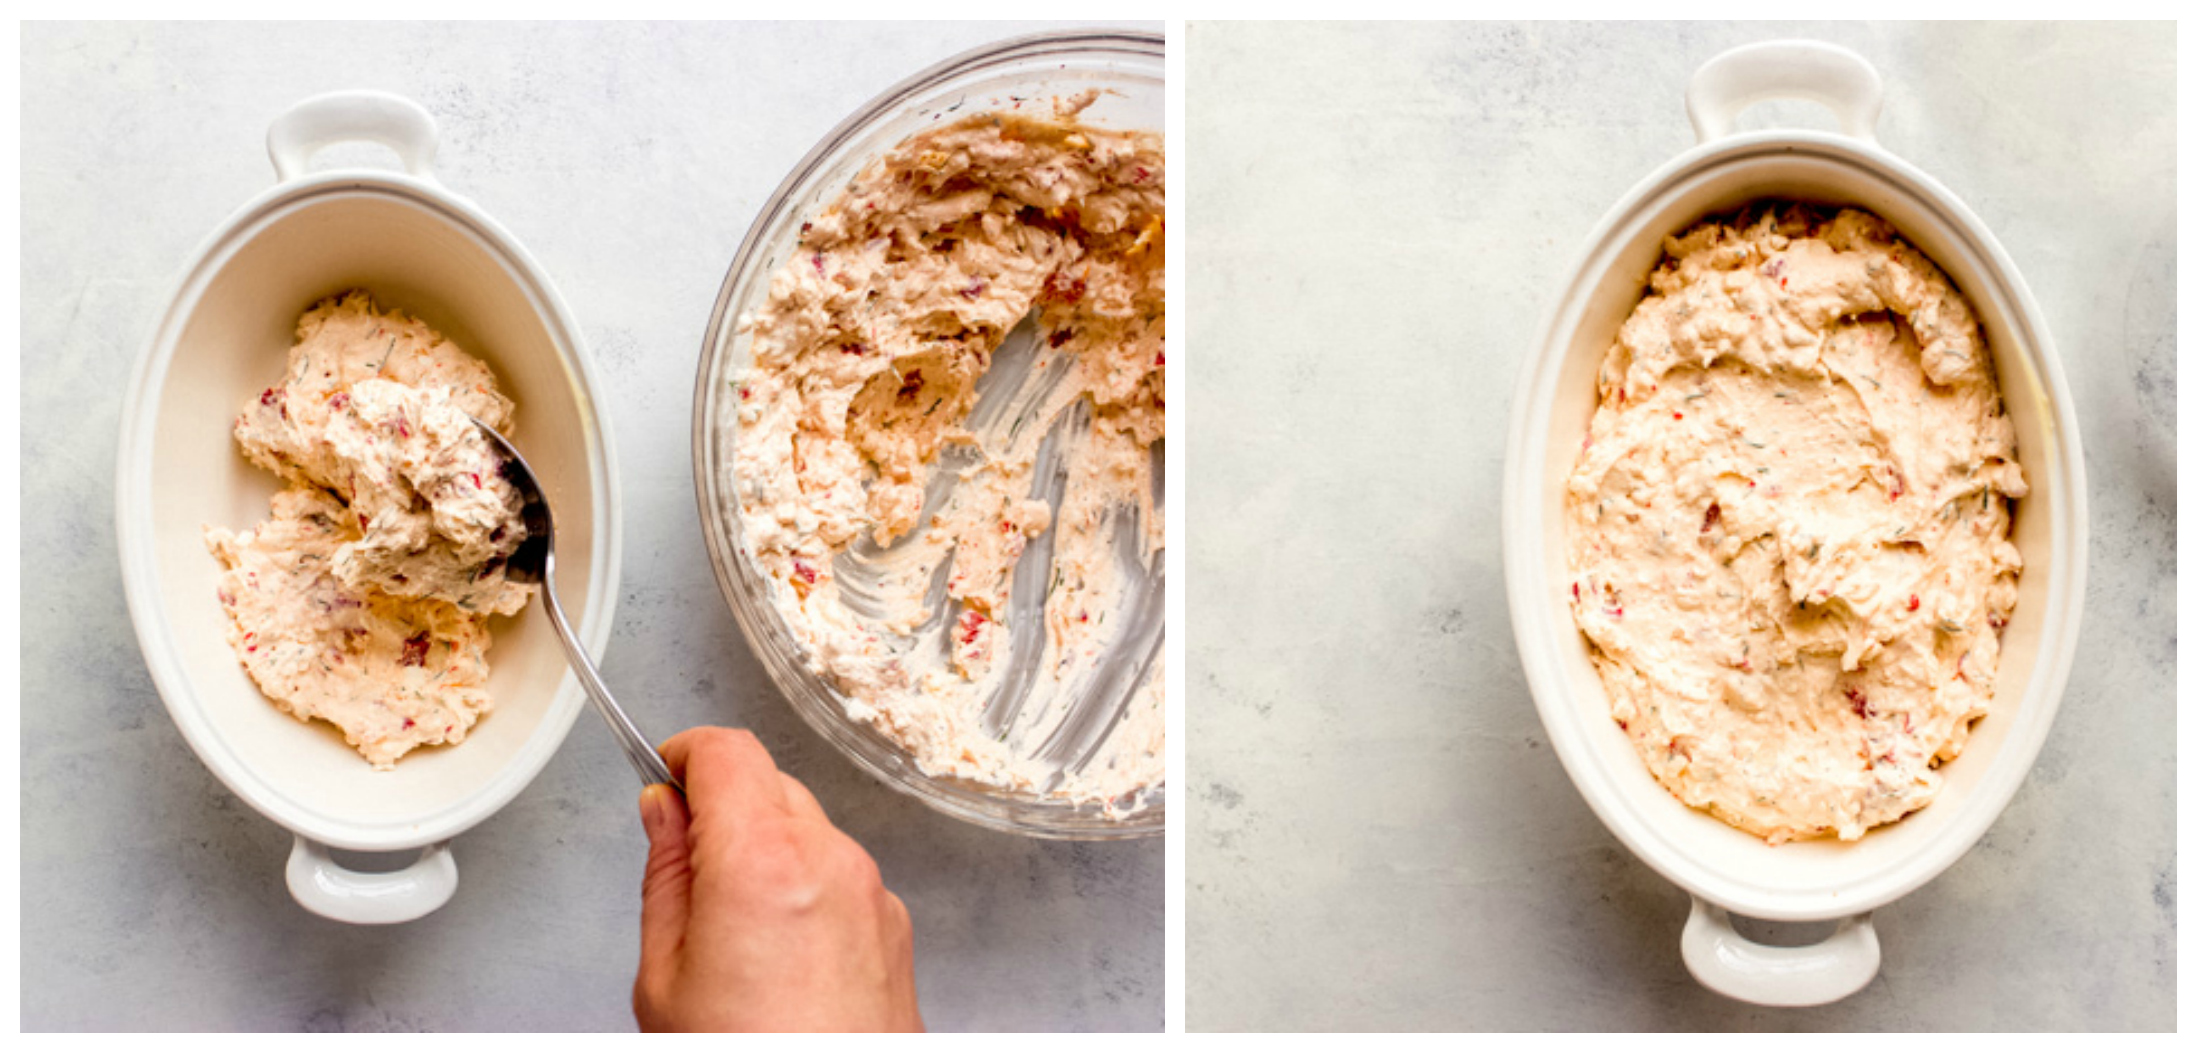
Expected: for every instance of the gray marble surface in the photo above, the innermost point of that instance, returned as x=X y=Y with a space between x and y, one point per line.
x=629 y=160
x=1380 y=836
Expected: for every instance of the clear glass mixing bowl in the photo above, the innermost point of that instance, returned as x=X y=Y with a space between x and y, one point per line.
x=1129 y=68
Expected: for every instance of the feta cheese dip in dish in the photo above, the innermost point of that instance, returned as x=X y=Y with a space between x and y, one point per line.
x=945 y=455
x=1788 y=526
x=364 y=600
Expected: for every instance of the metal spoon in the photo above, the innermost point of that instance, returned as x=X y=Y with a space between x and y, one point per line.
x=536 y=562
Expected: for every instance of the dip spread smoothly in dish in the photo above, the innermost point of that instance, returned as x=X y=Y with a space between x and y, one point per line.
x=364 y=601
x=960 y=528
x=1788 y=525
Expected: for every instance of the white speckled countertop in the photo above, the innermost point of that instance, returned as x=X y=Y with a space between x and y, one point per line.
x=1380 y=836
x=629 y=160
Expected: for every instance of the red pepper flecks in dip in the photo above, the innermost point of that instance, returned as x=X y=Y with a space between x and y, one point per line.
x=364 y=599
x=858 y=433
x=1812 y=404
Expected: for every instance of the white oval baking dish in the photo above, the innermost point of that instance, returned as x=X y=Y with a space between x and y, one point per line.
x=225 y=334
x=1725 y=869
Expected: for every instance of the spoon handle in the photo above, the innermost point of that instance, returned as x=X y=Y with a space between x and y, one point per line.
x=644 y=757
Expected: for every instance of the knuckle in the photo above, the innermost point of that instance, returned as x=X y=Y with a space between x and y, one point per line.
x=739 y=748
x=736 y=739
x=860 y=867
x=714 y=739
x=774 y=857
x=846 y=861
x=896 y=913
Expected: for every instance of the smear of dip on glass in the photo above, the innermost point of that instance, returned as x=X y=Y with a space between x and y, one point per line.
x=946 y=447
x=364 y=601
x=1788 y=525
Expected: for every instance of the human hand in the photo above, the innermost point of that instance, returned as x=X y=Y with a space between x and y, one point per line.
x=757 y=914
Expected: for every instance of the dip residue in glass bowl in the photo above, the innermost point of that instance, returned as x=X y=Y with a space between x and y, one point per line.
x=934 y=426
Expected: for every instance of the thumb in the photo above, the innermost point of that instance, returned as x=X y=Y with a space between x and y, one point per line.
x=665 y=885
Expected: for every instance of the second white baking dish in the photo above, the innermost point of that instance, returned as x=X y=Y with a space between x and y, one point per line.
x=1725 y=869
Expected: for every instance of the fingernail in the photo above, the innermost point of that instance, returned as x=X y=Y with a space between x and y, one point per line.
x=653 y=813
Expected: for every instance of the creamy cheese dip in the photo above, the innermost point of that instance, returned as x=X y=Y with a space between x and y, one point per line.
x=960 y=528
x=365 y=600
x=1788 y=524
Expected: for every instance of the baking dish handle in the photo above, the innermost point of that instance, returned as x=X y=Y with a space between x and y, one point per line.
x=329 y=889
x=1838 y=79
x=352 y=116
x=1733 y=965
